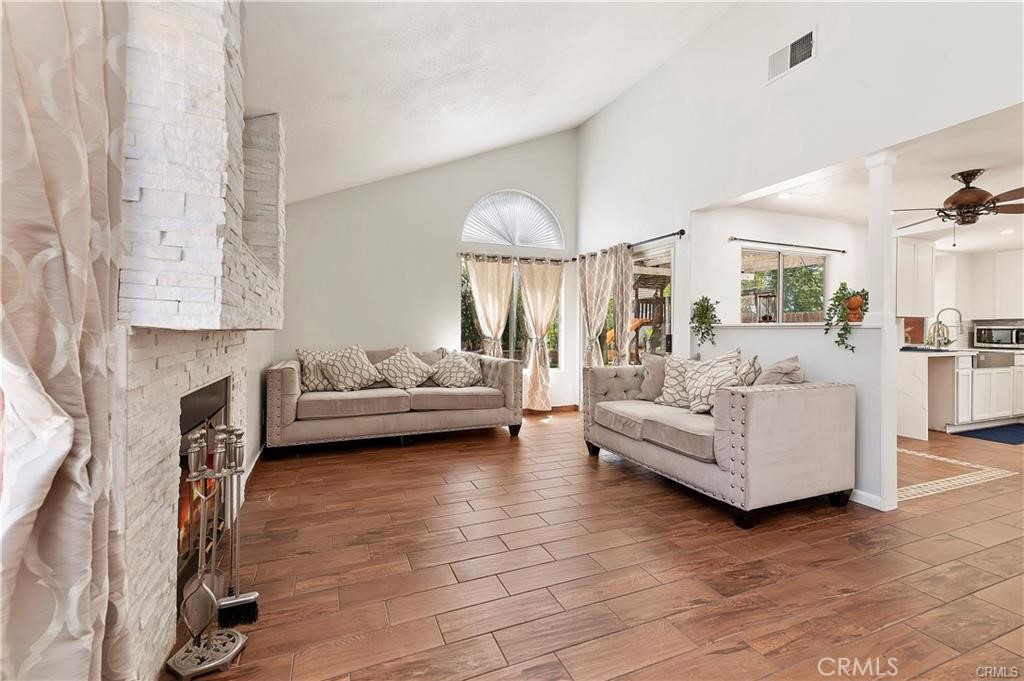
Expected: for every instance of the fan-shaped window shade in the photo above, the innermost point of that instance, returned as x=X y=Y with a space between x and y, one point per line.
x=512 y=218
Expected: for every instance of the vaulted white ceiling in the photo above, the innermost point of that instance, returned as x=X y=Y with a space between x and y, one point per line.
x=922 y=180
x=369 y=91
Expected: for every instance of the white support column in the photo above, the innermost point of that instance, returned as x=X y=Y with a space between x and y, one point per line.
x=882 y=312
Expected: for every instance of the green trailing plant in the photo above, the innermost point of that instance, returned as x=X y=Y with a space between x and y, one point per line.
x=842 y=310
x=703 y=317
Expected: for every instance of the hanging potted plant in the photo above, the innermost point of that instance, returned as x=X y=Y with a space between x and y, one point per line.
x=703 y=317
x=845 y=307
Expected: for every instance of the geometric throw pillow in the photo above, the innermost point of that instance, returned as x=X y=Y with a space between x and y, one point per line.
x=786 y=371
x=702 y=382
x=313 y=377
x=472 y=358
x=749 y=371
x=673 y=390
x=404 y=370
x=349 y=369
x=455 y=372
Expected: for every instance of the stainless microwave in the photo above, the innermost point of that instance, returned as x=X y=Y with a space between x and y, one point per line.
x=1010 y=337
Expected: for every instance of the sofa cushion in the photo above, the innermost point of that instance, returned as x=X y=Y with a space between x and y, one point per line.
x=627 y=416
x=473 y=397
x=311 y=363
x=329 y=405
x=404 y=369
x=783 y=372
x=349 y=369
x=686 y=433
x=454 y=371
x=703 y=381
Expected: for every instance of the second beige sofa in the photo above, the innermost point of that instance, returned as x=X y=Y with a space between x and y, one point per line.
x=295 y=417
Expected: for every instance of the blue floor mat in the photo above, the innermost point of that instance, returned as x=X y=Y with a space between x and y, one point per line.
x=1012 y=434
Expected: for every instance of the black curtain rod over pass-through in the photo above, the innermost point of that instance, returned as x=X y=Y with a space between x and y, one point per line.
x=785 y=245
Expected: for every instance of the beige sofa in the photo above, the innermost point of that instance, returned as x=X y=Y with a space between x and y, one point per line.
x=295 y=417
x=764 y=445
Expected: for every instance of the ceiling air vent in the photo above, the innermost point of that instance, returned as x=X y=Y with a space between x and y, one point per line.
x=790 y=56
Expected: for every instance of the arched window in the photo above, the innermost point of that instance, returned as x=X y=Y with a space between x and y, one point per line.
x=512 y=218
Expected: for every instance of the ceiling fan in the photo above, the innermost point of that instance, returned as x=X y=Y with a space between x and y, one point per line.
x=967 y=204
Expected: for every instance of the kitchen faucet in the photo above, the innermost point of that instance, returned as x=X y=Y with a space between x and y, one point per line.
x=939 y=332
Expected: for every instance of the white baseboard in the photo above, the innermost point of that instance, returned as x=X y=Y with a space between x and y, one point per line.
x=867 y=499
x=978 y=425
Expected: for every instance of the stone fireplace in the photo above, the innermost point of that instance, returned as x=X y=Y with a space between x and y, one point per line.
x=202 y=264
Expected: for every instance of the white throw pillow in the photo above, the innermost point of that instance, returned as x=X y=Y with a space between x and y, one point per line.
x=703 y=381
x=472 y=358
x=312 y=375
x=349 y=369
x=454 y=371
x=404 y=369
x=674 y=392
x=749 y=371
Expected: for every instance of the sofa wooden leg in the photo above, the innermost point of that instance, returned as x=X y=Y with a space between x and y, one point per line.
x=513 y=430
x=743 y=519
x=593 y=449
x=839 y=499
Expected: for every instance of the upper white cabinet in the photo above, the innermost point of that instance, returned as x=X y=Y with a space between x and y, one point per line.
x=1009 y=285
x=997 y=285
x=915 y=278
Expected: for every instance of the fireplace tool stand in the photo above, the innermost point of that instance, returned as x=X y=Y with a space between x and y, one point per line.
x=206 y=651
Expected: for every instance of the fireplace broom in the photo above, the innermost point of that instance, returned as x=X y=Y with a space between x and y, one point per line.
x=236 y=608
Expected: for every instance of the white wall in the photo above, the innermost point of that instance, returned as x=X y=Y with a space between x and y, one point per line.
x=715 y=272
x=259 y=354
x=705 y=127
x=376 y=265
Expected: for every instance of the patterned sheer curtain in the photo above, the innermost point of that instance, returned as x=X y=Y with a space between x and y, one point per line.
x=491 y=283
x=63 y=565
x=541 y=282
x=595 y=283
x=622 y=296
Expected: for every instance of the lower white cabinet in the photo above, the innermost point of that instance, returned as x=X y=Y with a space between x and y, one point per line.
x=992 y=392
x=1018 y=391
x=964 y=402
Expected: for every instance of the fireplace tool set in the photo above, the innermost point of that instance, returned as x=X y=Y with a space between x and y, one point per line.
x=205 y=598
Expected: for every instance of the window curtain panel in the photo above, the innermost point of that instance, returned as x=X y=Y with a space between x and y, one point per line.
x=595 y=283
x=491 y=283
x=63 y=572
x=621 y=266
x=541 y=284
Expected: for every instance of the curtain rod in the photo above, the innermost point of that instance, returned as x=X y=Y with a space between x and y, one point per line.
x=525 y=258
x=677 y=233
x=779 y=243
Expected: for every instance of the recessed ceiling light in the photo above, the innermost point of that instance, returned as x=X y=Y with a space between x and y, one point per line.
x=785 y=195
x=1006 y=231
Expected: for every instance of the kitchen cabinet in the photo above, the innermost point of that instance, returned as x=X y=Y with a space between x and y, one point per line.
x=991 y=393
x=915 y=277
x=1009 y=285
x=1018 y=390
x=964 y=400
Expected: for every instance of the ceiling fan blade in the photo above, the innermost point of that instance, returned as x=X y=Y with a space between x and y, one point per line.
x=1011 y=195
x=1004 y=209
x=919 y=222
x=906 y=210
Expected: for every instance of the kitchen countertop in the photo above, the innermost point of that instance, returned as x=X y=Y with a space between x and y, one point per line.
x=940 y=353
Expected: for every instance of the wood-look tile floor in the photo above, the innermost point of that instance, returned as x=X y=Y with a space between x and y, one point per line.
x=478 y=556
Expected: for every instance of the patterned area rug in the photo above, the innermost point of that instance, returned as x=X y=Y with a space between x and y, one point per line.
x=980 y=474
